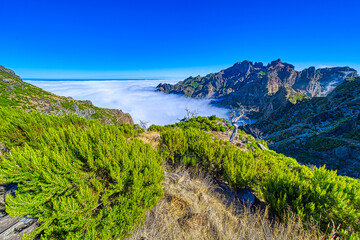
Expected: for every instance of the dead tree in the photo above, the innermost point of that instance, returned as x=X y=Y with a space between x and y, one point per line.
x=188 y=115
x=144 y=124
x=239 y=117
x=257 y=133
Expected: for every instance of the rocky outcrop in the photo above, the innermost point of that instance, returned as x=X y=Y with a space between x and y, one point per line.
x=86 y=113
x=265 y=87
x=321 y=130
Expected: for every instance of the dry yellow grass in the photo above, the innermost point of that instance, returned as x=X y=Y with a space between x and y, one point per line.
x=192 y=209
x=152 y=138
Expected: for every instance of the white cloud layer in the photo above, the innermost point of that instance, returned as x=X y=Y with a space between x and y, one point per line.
x=136 y=97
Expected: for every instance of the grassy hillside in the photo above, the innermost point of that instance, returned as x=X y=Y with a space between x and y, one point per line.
x=16 y=93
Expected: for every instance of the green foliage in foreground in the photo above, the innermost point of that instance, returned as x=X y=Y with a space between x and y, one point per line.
x=81 y=181
x=283 y=183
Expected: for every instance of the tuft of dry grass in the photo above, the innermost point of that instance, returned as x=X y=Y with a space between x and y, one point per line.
x=151 y=137
x=192 y=209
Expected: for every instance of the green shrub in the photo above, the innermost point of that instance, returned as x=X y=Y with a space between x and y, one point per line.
x=18 y=127
x=324 y=144
x=353 y=135
x=83 y=183
x=321 y=195
x=211 y=123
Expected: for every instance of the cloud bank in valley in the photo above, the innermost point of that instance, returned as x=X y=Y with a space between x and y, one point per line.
x=136 y=97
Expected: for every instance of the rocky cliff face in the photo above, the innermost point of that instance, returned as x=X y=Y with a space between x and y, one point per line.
x=321 y=130
x=16 y=93
x=265 y=87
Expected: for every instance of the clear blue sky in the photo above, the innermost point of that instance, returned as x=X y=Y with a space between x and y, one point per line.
x=110 y=39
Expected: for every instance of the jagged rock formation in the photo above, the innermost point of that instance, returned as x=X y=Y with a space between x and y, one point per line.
x=322 y=130
x=256 y=85
x=16 y=93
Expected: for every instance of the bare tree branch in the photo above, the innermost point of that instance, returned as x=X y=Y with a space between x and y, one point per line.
x=144 y=124
x=239 y=117
x=189 y=114
x=257 y=133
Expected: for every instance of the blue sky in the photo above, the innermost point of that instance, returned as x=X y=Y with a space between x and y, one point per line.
x=171 y=38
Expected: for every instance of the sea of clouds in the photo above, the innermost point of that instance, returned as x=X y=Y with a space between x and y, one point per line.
x=137 y=97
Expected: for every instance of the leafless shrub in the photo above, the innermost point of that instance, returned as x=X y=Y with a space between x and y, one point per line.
x=256 y=133
x=144 y=124
x=239 y=117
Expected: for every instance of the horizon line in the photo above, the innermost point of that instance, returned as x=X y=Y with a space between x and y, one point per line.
x=91 y=79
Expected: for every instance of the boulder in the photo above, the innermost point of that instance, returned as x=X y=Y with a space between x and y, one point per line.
x=86 y=113
x=342 y=152
x=247 y=197
x=262 y=147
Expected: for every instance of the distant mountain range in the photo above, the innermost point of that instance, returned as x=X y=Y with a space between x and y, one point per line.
x=312 y=115
x=266 y=87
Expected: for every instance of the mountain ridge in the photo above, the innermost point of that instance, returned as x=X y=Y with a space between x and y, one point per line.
x=15 y=92
x=256 y=85
x=321 y=130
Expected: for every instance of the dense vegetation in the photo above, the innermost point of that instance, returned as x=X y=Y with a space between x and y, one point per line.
x=331 y=200
x=66 y=165
x=321 y=130
x=80 y=179
x=211 y=123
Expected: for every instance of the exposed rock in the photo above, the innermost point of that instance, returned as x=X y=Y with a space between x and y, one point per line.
x=87 y=102
x=262 y=147
x=342 y=152
x=86 y=113
x=121 y=117
x=163 y=87
x=266 y=87
x=247 y=197
x=3 y=149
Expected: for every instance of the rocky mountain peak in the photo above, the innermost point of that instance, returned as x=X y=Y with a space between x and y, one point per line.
x=275 y=62
x=243 y=65
x=255 y=85
x=279 y=65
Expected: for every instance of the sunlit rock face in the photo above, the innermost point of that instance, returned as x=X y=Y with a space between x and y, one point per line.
x=320 y=130
x=256 y=85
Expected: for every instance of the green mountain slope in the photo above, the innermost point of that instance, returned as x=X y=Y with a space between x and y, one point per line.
x=323 y=130
x=18 y=94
